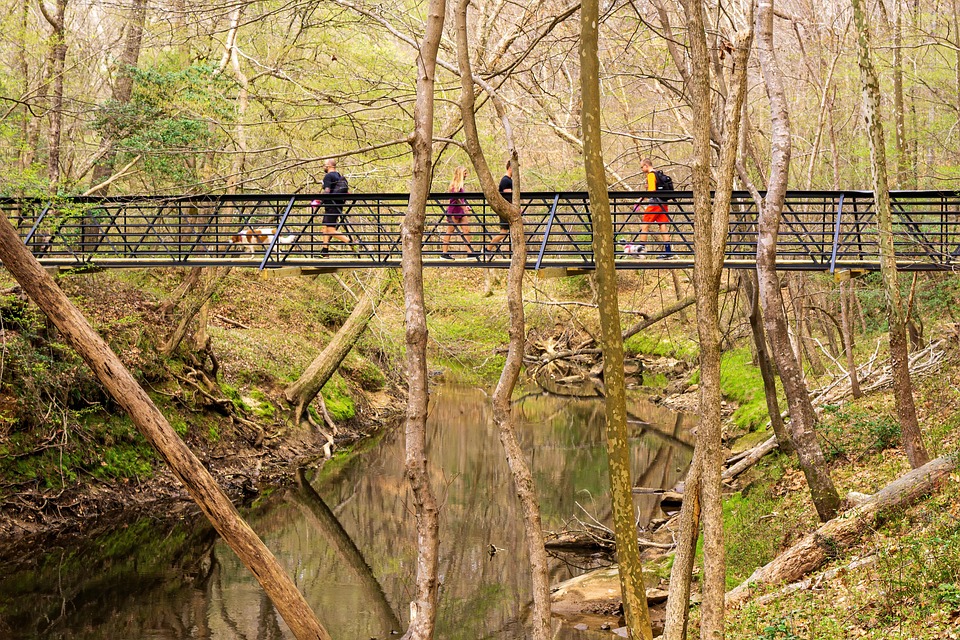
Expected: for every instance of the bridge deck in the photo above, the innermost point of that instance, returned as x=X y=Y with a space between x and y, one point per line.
x=820 y=231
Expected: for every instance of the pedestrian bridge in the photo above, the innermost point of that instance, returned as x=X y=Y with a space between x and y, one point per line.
x=820 y=231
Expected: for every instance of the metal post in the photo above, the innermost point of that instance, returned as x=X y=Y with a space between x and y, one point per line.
x=836 y=235
x=276 y=234
x=546 y=232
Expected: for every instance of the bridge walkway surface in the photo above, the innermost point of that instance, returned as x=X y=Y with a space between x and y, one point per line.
x=820 y=231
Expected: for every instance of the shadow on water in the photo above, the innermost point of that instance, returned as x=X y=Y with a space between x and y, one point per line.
x=348 y=537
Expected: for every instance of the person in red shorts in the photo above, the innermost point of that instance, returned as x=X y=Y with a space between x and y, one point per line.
x=655 y=212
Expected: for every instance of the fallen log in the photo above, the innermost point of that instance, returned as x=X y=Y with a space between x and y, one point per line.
x=751 y=458
x=827 y=542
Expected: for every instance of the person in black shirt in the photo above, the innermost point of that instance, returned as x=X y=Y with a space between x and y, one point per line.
x=333 y=209
x=506 y=190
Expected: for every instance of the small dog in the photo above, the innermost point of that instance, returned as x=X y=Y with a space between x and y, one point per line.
x=251 y=238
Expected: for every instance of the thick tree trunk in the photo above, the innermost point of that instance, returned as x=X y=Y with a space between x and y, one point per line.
x=303 y=391
x=899 y=362
x=122 y=387
x=58 y=57
x=632 y=588
x=767 y=374
x=423 y=608
x=824 y=544
x=824 y=494
x=122 y=88
x=502 y=396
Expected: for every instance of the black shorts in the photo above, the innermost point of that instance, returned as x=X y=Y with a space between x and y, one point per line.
x=333 y=217
x=504 y=225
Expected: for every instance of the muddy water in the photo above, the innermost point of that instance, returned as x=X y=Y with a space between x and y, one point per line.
x=347 y=537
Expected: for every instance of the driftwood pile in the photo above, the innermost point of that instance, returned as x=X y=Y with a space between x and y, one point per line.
x=875 y=374
x=568 y=360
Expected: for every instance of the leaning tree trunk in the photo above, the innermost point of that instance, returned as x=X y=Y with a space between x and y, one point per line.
x=423 y=608
x=123 y=388
x=632 y=588
x=802 y=418
x=899 y=363
x=503 y=415
x=217 y=281
x=303 y=391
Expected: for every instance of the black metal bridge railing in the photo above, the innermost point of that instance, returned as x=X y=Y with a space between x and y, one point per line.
x=820 y=230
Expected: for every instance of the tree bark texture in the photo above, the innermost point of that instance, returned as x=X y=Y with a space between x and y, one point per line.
x=503 y=416
x=632 y=588
x=122 y=88
x=58 y=57
x=423 y=608
x=303 y=391
x=825 y=544
x=899 y=363
x=767 y=374
x=215 y=283
x=802 y=418
x=122 y=387
x=846 y=320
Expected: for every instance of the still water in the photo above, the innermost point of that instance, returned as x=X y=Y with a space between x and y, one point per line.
x=347 y=537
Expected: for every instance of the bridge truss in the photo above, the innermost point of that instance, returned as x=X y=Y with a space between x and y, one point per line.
x=820 y=231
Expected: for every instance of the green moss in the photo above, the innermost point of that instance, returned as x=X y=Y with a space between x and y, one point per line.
x=741 y=382
x=655 y=345
x=340 y=405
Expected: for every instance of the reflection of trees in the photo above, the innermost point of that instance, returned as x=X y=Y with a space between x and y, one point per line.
x=137 y=593
x=337 y=537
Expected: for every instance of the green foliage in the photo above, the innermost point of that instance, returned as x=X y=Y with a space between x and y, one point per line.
x=167 y=117
x=752 y=537
x=782 y=629
x=922 y=568
x=856 y=428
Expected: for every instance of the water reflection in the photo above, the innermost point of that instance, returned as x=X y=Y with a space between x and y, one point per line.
x=347 y=537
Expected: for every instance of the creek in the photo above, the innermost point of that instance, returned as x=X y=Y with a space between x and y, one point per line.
x=348 y=536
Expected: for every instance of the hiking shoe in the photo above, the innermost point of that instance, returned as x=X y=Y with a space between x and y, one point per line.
x=324 y=252
x=446 y=256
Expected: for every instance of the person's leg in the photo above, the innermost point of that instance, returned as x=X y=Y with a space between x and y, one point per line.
x=665 y=236
x=465 y=233
x=446 y=239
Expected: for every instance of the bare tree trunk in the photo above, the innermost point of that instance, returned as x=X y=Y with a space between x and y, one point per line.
x=633 y=591
x=214 y=284
x=58 y=57
x=123 y=88
x=767 y=374
x=303 y=391
x=802 y=417
x=903 y=153
x=122 y=387
x=846 y=292
x=502 y=406
x=423 y=609
x=711 y=224
x=899 y=363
